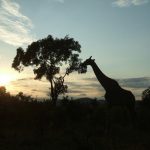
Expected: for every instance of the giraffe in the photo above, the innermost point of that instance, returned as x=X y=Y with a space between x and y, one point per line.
x=115 y=94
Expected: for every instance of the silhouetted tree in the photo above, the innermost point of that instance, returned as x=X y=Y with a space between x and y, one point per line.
x=3 y=92
x=22 y=97
x=46 y=56
x=146 y=96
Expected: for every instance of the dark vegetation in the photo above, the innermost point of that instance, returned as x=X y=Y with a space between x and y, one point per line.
x=146 y=96
x=28 y=124
x=52 y=58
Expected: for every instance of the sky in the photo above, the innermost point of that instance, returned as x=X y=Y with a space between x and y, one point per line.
x=116 y=33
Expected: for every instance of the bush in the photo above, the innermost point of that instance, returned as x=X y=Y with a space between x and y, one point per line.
x=146 y=96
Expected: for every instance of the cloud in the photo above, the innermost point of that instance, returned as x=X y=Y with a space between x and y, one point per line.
x=127 y=3
x=139 y=2
x=143 y=82
x=15 y=27
x=136 y=85
x=25 y=79
x=60 y=1
x=36 y=89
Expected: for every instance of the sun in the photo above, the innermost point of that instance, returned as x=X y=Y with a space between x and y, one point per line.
x=5 y=79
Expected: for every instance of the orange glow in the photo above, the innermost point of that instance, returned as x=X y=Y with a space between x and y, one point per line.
x=5 y=79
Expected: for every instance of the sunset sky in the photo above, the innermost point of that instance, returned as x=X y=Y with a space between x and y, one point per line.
x=115 y=32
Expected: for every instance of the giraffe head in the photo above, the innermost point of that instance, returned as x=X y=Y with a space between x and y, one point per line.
x=88 y=61
x=83 y=66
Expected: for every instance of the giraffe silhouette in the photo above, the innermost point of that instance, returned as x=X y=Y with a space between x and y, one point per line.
x=115 y=95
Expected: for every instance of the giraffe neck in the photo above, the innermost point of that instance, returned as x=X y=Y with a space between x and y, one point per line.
x=102 y=78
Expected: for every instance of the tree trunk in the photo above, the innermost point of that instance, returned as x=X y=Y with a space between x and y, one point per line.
x=54 y=99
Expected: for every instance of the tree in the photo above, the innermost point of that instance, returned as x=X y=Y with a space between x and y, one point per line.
x=20 y=96
x=146 y=96
x=2 y=91
x=47 y=56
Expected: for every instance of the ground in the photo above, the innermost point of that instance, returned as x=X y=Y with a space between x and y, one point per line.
x=33 y=125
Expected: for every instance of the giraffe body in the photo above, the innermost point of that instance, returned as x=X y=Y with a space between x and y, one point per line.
x=115 y=95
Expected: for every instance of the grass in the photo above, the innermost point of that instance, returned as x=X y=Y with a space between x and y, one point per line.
x=33 y=125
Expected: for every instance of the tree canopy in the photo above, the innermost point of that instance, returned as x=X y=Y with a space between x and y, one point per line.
x=46 y=56
x=146 y=96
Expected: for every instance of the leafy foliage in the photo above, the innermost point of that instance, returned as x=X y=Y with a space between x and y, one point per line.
x=82 y=68
x=3 y=91
x=46 y=56
x=146 y=96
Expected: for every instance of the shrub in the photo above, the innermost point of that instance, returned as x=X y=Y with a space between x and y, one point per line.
x=146 y=96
